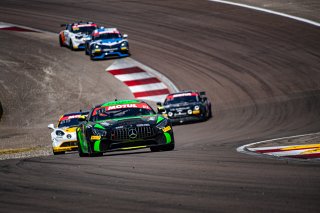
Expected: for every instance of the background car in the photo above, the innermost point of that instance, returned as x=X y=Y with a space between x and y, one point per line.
x=124 y=125
x=186 y=106
x=64 y=136
x=106 y=43
x=75 y=35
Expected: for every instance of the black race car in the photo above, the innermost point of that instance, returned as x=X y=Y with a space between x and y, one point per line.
x=124 y=125
x=186 y=106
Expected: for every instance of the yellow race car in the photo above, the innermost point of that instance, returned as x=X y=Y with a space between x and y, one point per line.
x=64 y=136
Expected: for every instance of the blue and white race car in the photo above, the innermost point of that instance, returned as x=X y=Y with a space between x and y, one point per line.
x=107 y=43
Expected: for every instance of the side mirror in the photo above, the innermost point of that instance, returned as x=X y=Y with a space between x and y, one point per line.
x=51 y=126
x=82 y=118
x=125 y=36
x=202 y=93
x=63 y=25
x=159 y=104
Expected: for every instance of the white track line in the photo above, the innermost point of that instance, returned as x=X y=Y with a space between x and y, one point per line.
x=269 y=11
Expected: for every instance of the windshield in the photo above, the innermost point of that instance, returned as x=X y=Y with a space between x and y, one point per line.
x=87 y=30
x=111 y=112
x=69 y=123
x=107 y=36
x=181 y=99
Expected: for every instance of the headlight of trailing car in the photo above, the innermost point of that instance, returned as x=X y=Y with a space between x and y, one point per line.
x=162 y=124
x=196 y=107
x=97 y=46
x=59 y=133
x=123 y=44
x=99 y=132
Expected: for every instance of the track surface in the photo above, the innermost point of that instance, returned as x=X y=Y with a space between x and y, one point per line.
x=261 y=72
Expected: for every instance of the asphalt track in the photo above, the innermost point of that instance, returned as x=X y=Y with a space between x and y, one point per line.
x=261 y=72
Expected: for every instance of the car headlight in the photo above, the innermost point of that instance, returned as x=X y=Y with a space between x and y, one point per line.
x=99 y=132
x=123 y=44
x=162 y=124
x=196 y=107
x=59 y=133
x=189 y=111
x=97 y=47
x=170 y=114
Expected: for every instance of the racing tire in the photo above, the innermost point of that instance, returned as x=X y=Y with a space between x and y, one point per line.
x=71 y=45
x=81 y=154
x=210 y=113
x=60 y=42
x=168 y=147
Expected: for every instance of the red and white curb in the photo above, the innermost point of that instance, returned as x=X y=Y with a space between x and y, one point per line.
x=294 y=151
x=305 y=151
x=144 y=82
x=11 y=27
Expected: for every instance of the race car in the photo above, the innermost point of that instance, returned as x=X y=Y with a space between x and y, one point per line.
x=107 y=43
x=186 y=106
x=124 y=125
x=75 y=35
x=64 y=136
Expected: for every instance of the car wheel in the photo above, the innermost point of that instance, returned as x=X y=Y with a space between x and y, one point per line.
x=60 y=42
x=168 y=147
x=71 y=45
x=81 y=154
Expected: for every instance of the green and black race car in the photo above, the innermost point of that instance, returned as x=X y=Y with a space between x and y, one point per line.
x=124 y=125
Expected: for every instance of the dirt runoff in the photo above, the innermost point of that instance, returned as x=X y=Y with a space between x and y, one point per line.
x=39 y=82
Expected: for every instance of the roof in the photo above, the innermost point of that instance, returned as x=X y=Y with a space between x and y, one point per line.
x=112 y=103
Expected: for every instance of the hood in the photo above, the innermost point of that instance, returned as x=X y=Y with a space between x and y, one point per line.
x=152 y=119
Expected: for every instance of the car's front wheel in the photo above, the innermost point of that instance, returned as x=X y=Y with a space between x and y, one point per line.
x=71 y=45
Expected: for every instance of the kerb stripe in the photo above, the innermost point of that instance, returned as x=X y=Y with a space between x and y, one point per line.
x=126 y=71
x=151 y=93
x=142 y=81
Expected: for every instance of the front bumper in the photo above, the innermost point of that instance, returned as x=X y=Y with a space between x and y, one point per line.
x=65 y=146
x=105 y=144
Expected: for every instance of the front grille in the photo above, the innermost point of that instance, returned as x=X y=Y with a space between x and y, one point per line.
x=128 y=133
x=69 y=143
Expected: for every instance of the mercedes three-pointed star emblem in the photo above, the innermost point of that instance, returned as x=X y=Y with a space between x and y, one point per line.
x=132 y=133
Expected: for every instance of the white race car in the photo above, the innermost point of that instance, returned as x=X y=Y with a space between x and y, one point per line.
x=64 y=136
x=75 y=35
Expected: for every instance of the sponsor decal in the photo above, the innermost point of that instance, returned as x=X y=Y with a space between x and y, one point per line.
x=170 y=97
x=95 y=137
x=139 y=125
x=120 y=106
x=166 y=129
x=69 y=117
